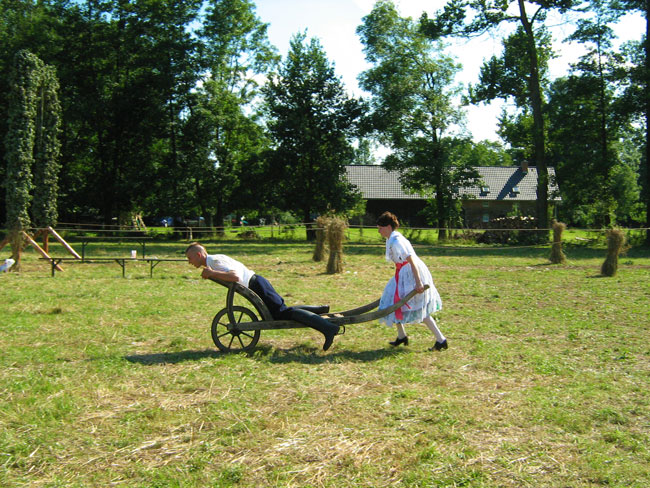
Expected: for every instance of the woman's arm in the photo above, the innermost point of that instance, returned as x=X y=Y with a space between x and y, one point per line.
x=416 y=275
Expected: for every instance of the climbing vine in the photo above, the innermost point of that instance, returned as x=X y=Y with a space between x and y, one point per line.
x=46 y=151
x=32 y=147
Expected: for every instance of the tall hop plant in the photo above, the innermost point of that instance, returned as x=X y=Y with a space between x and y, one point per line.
x=19 y=141
x=47 y=150
x=31 y=144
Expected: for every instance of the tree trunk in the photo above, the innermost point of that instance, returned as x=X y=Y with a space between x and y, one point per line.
x=538 y=123
x=442 y=222
x=647 y=119
x=310 y=232
x=219 y=217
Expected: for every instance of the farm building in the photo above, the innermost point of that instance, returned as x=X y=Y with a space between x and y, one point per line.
x=494 y=196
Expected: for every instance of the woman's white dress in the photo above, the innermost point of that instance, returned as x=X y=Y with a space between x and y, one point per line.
x=398 y=248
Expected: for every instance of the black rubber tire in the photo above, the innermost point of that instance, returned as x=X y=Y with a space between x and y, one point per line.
x=231 y=339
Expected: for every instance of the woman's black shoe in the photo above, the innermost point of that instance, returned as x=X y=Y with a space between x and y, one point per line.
x=439 y=346
x=404 y=340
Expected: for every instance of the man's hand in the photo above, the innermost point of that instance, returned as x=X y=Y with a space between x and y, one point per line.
x=207 y=273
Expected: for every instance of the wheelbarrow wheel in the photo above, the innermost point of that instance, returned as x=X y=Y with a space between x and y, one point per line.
x=227 y=337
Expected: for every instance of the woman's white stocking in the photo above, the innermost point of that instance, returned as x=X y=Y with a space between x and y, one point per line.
x=431 y=324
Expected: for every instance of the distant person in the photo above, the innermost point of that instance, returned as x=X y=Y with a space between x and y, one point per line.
x=225 y=268
x=410 y=273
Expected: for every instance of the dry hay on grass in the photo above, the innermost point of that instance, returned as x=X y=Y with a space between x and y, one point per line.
x=557 y=255
x=615 y=246
x=335 y=236
x=321 y=232
x=315 y=445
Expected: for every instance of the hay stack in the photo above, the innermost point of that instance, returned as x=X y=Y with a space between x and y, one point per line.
x=335 y=236
x=557 y=256
x=321 y=232
x=615 y=243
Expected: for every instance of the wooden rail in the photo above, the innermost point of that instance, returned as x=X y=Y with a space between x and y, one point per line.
x=153 y=262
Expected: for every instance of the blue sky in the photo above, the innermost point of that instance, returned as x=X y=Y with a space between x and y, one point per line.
x=334 y=22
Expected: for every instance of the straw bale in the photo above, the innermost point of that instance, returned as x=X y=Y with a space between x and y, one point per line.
x=615 y=245
x=557 y=255
x=335 y=236
x=321 y=232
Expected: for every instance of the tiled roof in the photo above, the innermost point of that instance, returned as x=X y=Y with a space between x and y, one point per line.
x=509 y=183
x=376 y=183
x=498 y=183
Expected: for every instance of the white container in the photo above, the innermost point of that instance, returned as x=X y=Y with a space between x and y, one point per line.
x=7 y=264
x=134 y=254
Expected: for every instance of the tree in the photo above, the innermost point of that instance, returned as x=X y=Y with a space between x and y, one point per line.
x=126 y=70
x=312 y=123
x=18 y=20
x=363 y=154
x=586 y=124
x=485 y=15
x=638 y=93
x=413 y=107
x=236 y=53
x=172 y=52
x=31 y=147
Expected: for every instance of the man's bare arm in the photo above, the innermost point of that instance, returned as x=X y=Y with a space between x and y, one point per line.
x=230 y=276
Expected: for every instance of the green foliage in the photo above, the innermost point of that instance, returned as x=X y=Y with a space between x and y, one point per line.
x=519 y=73
x=312 y=123
x=589 y=127
x=509 y=76
x=47 y=151
x=32 y=147
x=363 y=154
x=224 y=137
x=412 y=83
x=635 y=98
x=411 y=80
x=158 y=104
x=126 y=70
x=19 y=141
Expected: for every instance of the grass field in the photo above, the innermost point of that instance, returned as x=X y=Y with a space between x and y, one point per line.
x=110 y=381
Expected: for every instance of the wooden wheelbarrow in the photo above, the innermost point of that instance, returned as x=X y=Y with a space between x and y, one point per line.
x=237 y=328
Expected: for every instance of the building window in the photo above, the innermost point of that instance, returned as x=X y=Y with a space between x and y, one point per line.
x=486 y=204
x=485 y=190
x=486 y=218
x=515 y=189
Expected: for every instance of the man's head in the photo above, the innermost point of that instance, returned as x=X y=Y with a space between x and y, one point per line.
x=196 y=254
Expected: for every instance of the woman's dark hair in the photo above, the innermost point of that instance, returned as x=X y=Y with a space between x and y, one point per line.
x=388 y=218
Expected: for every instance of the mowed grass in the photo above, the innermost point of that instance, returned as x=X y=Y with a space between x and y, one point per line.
x=111 y=381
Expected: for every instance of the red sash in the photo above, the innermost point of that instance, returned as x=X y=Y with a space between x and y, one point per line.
x=398 y=313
